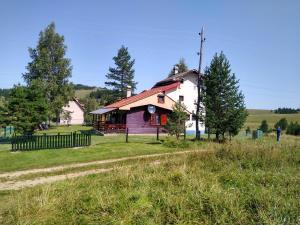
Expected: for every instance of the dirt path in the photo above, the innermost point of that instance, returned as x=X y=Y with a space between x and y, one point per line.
x=19 y=184
x=16 y=185
x=78 y=165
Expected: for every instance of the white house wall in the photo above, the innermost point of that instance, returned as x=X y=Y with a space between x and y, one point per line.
x=77 y=114
x=188 y=89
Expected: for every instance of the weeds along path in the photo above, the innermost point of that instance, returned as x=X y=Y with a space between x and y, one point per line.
x=19 y=184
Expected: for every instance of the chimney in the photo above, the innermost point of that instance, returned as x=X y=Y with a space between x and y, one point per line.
x=128 y=91
x=175 y=69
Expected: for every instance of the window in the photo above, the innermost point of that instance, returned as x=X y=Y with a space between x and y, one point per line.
x=161 y=99
x=194 y=117
x=181 y=98
x=155 y=119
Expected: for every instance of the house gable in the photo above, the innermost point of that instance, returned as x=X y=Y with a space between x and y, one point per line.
x=152 y=100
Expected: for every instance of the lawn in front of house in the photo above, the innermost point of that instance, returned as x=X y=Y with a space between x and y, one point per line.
x=103 y=147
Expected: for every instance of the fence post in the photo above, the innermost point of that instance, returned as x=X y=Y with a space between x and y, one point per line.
x=127 y=135
x=184 y=134
x=157 y=133
x=74 y=139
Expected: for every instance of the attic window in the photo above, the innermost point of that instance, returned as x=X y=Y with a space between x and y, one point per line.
x=181 y=98
x=161 y=99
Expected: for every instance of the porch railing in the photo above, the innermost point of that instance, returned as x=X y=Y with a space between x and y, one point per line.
x=110 y=128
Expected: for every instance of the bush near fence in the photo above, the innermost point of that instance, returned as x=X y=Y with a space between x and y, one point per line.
x=36 y=142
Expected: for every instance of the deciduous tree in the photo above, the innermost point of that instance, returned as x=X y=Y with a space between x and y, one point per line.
x=50 y=66
x=27 y=107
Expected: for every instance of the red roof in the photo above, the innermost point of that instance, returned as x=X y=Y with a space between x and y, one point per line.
x=143 y=95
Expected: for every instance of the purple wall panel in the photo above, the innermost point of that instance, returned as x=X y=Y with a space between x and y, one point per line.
x=138 y=120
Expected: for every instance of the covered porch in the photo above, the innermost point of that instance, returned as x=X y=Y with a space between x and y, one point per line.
x=138 y=120
x=109 y=120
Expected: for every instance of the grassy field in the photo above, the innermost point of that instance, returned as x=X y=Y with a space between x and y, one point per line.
x=242 y=182
x=257 y=115
x=83 y=93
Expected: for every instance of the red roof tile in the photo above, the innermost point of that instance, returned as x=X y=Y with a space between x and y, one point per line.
x=143 y=95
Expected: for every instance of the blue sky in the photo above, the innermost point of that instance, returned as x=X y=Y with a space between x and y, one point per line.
x=260 y=38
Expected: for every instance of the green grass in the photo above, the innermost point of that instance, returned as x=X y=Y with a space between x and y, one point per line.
x=103 y=147
x=256 y=116
x=242 y=182
x=64 y=129
x=83 y=93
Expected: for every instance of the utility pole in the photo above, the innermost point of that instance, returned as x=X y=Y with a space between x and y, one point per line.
x=199 y=84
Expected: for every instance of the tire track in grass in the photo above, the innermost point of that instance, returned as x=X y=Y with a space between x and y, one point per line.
x=17 y=185
x=14 y=174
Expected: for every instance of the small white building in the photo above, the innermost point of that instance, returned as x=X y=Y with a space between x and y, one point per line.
x=75 y=111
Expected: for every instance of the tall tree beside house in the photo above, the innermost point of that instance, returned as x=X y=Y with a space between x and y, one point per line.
x=50 y=66
x=121 y=76
x=224 y=102
x=27 y=107
x=176 y=122
x=181 y=66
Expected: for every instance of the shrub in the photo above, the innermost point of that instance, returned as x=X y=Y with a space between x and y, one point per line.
x=282 y=123
x=264 y=127
x=293 y=128
x=175 y=143
x=248 y=130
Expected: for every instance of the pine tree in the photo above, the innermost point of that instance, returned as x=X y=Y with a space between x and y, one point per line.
x=225 y=111
x=52 y=69
x=122 y=76
x=181 y=66
x=27 y=107
x=176 y=122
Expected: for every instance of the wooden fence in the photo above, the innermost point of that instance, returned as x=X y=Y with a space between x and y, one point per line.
x=35 y=142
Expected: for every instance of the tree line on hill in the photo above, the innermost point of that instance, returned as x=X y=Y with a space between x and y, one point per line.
x=286 y=111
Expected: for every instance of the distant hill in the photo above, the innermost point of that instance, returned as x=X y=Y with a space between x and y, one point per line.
x=82 y=90
x=83 y=87
x=257 y=115
x=82 y=93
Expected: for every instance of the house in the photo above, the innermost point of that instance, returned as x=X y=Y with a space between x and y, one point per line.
x=73 y=113
x=149 y=110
